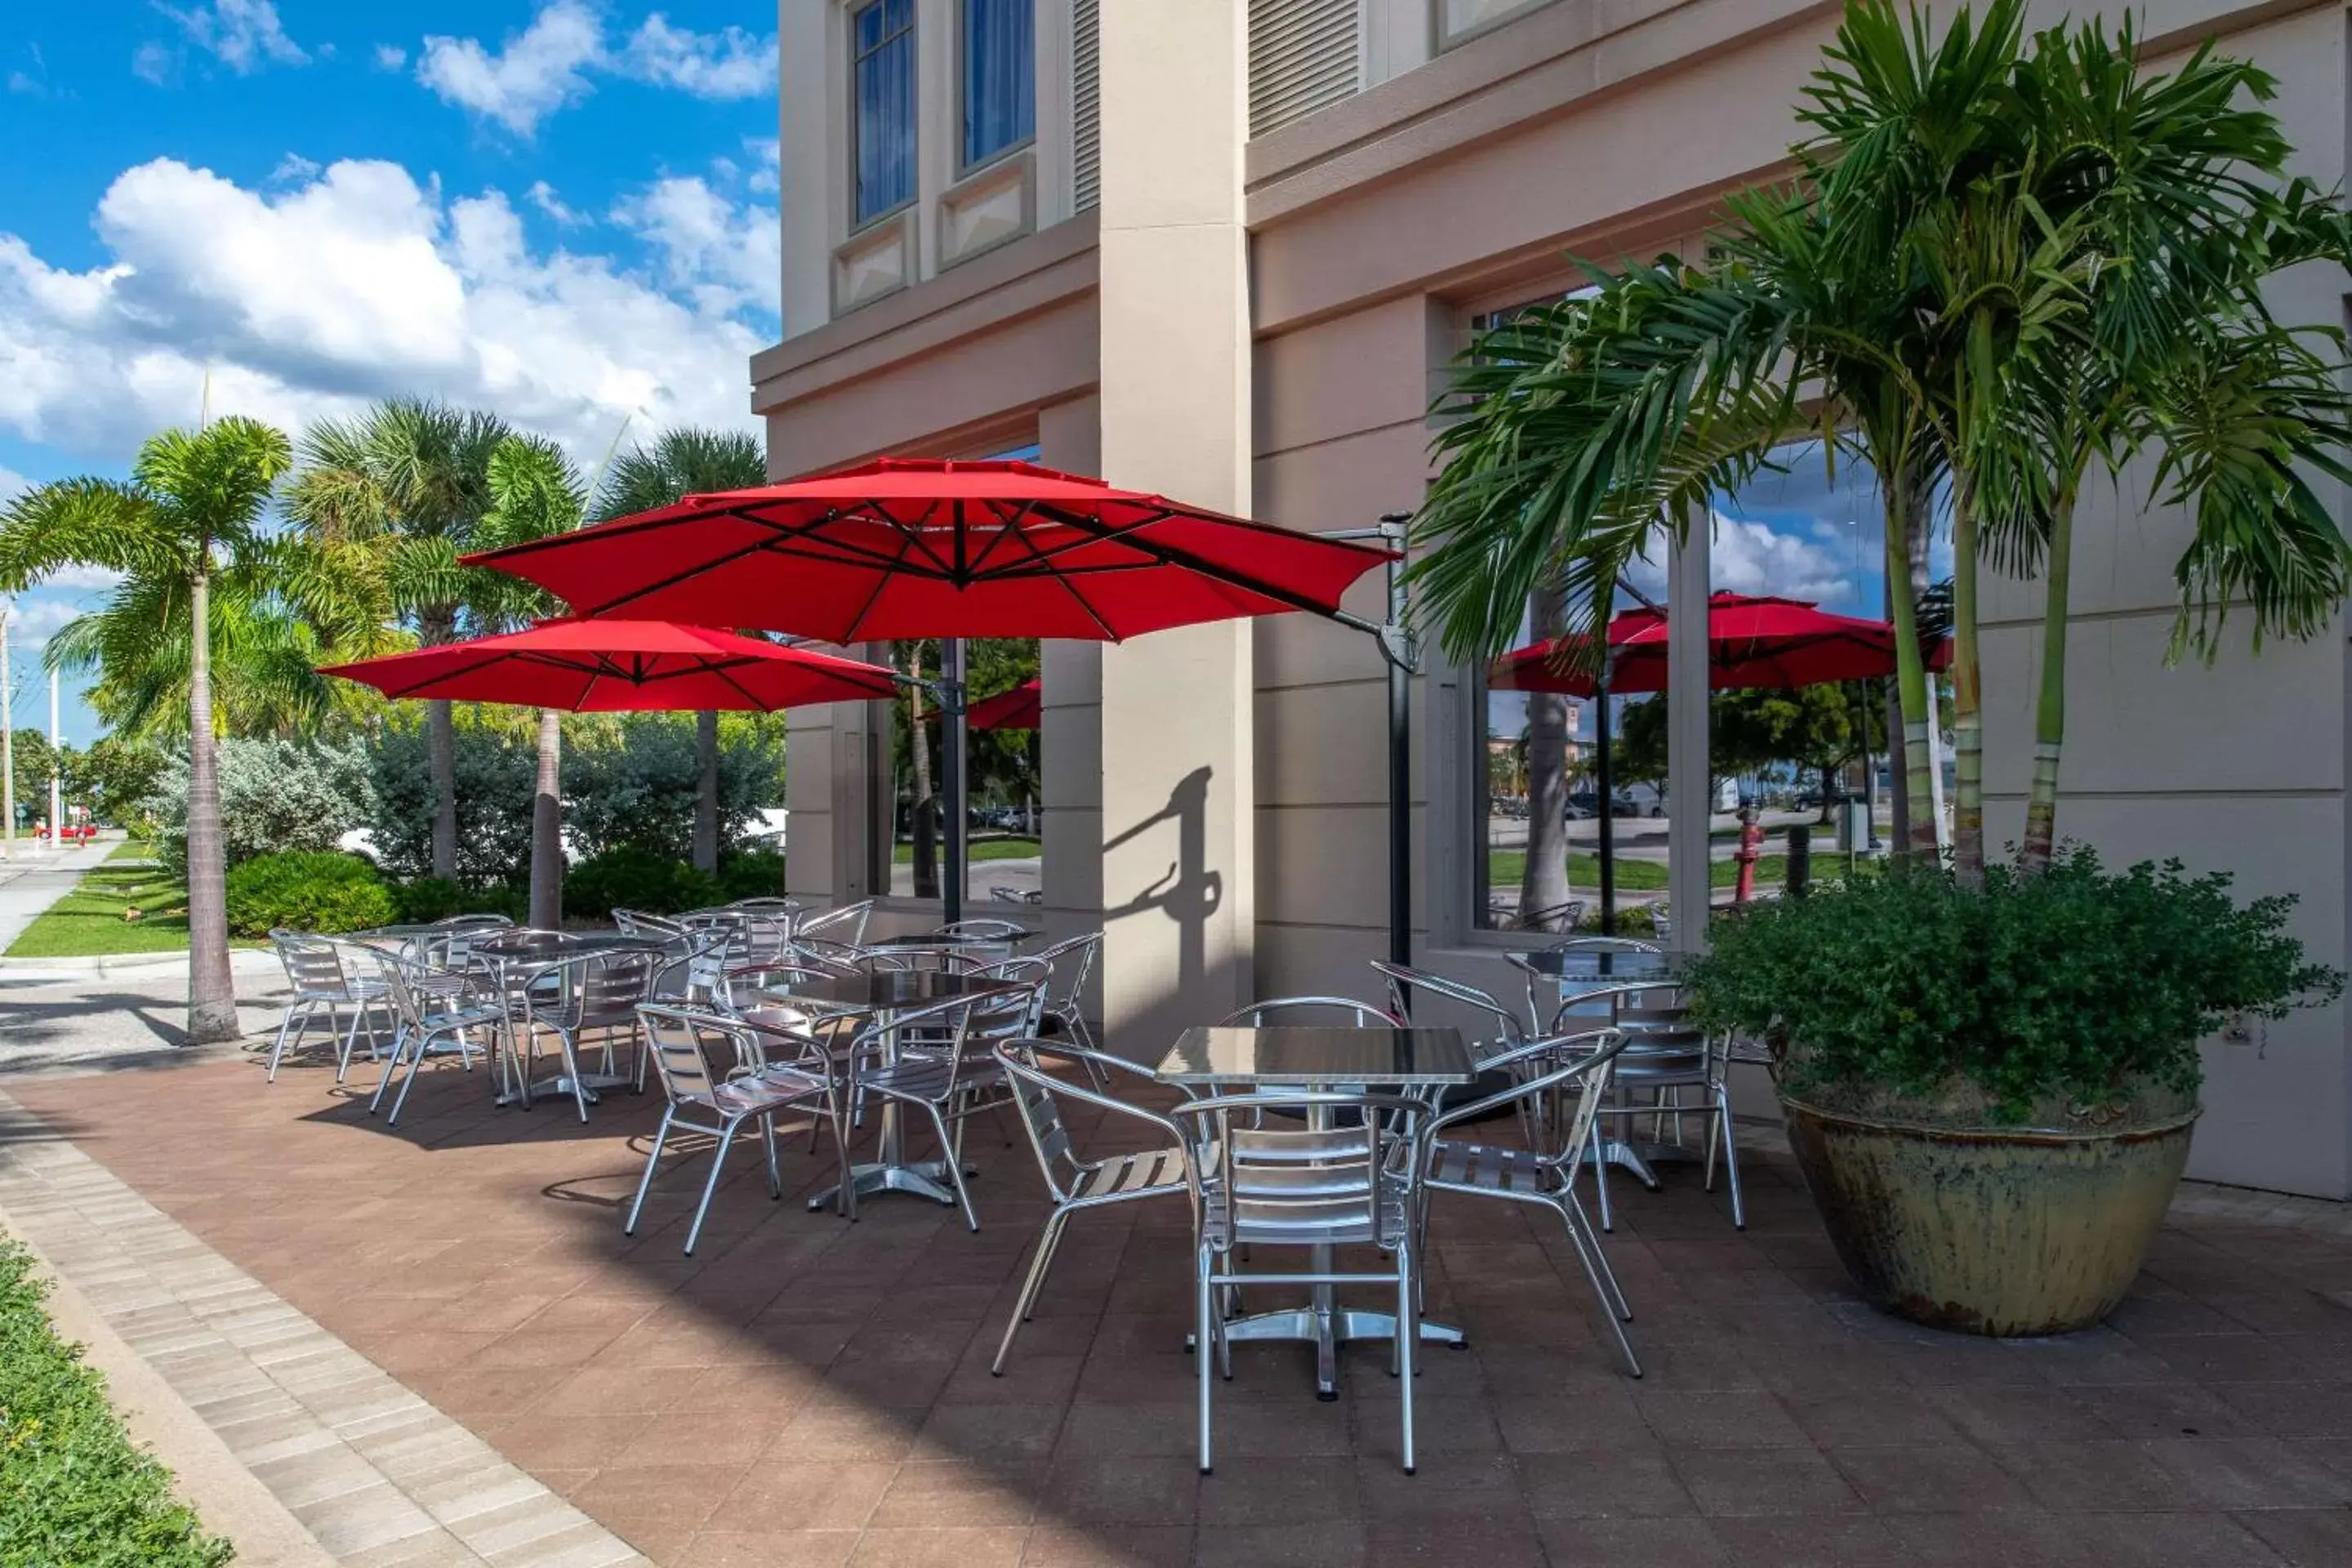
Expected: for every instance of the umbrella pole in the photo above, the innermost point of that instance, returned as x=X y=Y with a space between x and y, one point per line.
x=1604 y=787
x=1400 y=764
x=954 y=787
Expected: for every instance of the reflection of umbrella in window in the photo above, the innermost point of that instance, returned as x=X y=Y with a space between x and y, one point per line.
x=907 y=548
x=1752 y=641
x=1014 y=710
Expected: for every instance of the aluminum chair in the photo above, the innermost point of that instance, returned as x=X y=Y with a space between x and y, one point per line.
x=1496 y=1038
x=680 y=1040
x=945 y=960
x=775 y=908
x=843 y=924
x=328 y=976
x=636 y=922
x=600 y=996
x=952 y=1080
x=437 y=1009
x=1072 y=1183
x=1352 y=1194
x=819 y=952
x=1548 y=1020
x=1579 y=1062
x=1666 y=1054
x=1071 y=961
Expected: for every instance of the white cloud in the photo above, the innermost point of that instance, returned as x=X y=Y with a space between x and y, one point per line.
x=360 y=283
x=12 y=483
x=548 y=65
x=243 y=35
x=730 y=63
x=767 y=163
x=543 y=195
x=35 y=621
x=152 y=62
x=390 y=56
x=730 y=257
x=537 y=71
x=1751 y=557
x=293 y=167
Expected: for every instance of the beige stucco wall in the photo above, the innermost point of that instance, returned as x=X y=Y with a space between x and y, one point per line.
x=1373 y=229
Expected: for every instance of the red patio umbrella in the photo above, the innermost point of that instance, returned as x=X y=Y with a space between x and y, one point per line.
x=621 y=667
x=907 y=548
x=1015 y=709
x=1751 y=641
x=912 y=548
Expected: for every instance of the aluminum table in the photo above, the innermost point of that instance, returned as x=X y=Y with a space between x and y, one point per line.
x=1316 y=1057
x=885 y=996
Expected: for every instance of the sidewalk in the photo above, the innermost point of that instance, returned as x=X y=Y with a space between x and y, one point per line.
x=36 y=878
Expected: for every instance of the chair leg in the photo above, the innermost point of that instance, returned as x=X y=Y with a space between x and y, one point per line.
x=775 y=1171
x=1204 y=1340
x=951 y=1146
x=1601 y=1175
x=415 y=1065
x=1603 y=1281
x=1047 y=1240
x=350 y=1040
x=1408 y=1344
x=653 y=1158
x=717 y=1161
x=299 y=1010
x=391 y=1069
x=1730 y=1158
x=570 y=1057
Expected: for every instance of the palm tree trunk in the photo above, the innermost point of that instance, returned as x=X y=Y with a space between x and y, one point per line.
x=1543 y=883
x=1968 y=698
x=547 y=826
x=212 y=989
x=441 y=751
x=2050 y=710
x=706 y=790
x=1910 y=675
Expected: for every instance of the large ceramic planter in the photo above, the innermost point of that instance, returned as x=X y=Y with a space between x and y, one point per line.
x=1993 y=1230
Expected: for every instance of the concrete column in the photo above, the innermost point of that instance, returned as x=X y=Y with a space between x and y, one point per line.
x=1690 y=804
x=1178 y=850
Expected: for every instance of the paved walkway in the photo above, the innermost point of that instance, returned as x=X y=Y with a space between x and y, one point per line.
x=36 y=878
x=806 y=1392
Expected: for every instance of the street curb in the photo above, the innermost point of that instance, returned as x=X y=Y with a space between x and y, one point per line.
x=105 y=964
x=227 y=1496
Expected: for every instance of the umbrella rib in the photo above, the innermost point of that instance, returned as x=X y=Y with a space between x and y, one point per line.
x=485 y=662
x=1062 y=579
x=881 y=582
x=1174 y=556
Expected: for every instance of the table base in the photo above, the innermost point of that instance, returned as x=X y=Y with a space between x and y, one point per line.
x=1327 y=1328
x=927 y=1179
x=589 y=1082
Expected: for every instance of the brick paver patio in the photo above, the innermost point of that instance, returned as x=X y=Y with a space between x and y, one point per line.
x=805 y=1391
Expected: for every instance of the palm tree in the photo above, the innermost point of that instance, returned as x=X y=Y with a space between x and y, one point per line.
x=534 y=492
x=396 y=496
x=1996 y=269
x=192 y=508
x=681 y=462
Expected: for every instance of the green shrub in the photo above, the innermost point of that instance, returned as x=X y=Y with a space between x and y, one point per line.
x=275 y=795
x=305 y=890
x=425 y=899
x=633 y=879
x=2072 y=984
x=73 y=1487
x=749 y=874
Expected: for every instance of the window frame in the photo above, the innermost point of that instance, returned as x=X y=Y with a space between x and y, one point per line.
x=912 y=33
x=967 y=166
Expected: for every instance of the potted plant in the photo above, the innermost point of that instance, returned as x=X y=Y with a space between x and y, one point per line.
x=1992 y=1092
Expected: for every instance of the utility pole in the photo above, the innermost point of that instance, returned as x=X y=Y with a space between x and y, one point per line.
x=8 y=743
x=56 y=780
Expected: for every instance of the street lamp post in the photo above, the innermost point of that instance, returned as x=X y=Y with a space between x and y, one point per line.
x=8 y=743
x=57 y=781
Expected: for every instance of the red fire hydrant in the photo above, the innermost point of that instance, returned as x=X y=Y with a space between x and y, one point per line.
x=1750 y=850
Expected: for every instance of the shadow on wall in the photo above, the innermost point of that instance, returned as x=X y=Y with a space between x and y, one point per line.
x=1188 y=893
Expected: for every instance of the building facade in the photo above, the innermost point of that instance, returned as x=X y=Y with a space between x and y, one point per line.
x=1223 y=249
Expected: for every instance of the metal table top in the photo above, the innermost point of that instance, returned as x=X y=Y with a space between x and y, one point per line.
x=884 y=991
x=1302 y=1054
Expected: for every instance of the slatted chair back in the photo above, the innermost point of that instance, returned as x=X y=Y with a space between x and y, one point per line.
x=314 y=965
x=844 y=924
x=682 y=1041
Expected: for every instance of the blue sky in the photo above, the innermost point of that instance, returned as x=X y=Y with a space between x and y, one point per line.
x=561 y=210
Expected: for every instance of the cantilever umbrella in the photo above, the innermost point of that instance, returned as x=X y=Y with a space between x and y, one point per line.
x=1752 y=641
x=916 y=548
x=1021 y=708
x=621 y=667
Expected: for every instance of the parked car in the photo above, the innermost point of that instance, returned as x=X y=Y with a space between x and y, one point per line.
x=1585 y=805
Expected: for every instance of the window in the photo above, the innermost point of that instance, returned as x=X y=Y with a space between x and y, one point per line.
x=882 y=85
x=1000 y=96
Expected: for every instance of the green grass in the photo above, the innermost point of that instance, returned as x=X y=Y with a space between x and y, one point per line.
x=88 y=921
x=134 y=849
x=73 y=1487
x=1505 y=868
x=981 y=849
